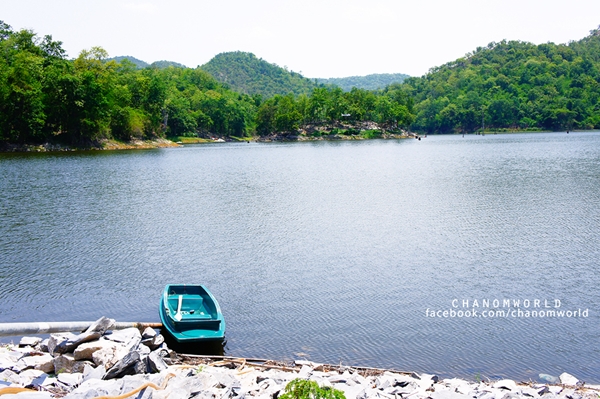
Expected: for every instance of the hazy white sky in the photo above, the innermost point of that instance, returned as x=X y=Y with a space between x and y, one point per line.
x=319 y=38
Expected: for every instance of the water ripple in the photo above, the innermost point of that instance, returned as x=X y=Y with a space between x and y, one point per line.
x=329 y=251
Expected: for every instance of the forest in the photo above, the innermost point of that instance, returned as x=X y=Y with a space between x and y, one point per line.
x=512 y=86
x=47 y=97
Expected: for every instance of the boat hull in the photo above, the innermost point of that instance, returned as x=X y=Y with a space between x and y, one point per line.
x=190 y=313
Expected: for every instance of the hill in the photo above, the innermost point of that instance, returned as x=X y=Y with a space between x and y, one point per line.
x=245 y=73
x=166 y=64
x=512 y=85
x=143 y=64
x=368 y=82
x=138 y=63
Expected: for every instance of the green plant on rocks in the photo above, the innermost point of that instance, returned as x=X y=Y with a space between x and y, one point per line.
x=306 y=389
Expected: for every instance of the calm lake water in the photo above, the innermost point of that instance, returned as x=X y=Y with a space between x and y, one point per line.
x=330 y=251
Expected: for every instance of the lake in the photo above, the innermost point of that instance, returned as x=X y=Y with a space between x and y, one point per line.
x=335 y=252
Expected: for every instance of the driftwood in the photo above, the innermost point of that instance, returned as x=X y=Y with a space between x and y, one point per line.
x=270 y=364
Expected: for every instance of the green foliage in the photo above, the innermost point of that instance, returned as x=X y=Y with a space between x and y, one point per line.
x=138 y=63
x=166 y=64
x=371 y=134
x=369 y=82
x=245 y=73
x=306 y=389
x=45 y=97
x=511 y=85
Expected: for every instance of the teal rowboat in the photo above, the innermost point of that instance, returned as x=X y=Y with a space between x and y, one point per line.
x=190 y=313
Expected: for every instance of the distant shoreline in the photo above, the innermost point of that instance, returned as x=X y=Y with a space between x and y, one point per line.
x=112 y=145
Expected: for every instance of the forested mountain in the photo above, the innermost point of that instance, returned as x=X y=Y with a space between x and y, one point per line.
x=138 y=63
x=45 y=97
x=245 y=73
x=143 y=64
x=512 y=85
x=166 y=64
x=369 y=82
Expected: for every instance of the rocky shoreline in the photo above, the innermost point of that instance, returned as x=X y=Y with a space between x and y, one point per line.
x=106 y=364
x=100 y=146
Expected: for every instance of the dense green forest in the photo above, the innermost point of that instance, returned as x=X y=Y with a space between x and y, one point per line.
x=45 y=97
x=369 y=82
x=143 y=64
x=245 y=73
x=512 y=85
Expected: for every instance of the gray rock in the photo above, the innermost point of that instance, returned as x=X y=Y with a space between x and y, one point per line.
x=64 y=363
x=152 y=341
x=43 y=346
x=30 y=341
x=72 y=343
x=79 y=366
x=338 y=379
x=101 y=325
x=57 y=339
x=155 y=362
x=149 y=332
x=543 y=391
x=124 y=366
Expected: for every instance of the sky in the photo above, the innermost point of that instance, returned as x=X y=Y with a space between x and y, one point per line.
x=317 y=38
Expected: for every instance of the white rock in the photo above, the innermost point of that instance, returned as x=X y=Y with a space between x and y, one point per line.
x=43 y=380
x=43 y=362
x=28 y=376
x=110 y=355
x=568 y=379
x=528 y=391
x=555 y=389
x=131 y=337
x=9 y=376
x=446 y=394
x=99 y=387
x=305 y=371
x=86 y=350
x=70 y=379
x=30 y=341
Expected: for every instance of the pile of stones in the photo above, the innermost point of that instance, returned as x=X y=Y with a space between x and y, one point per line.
x=100 y=363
